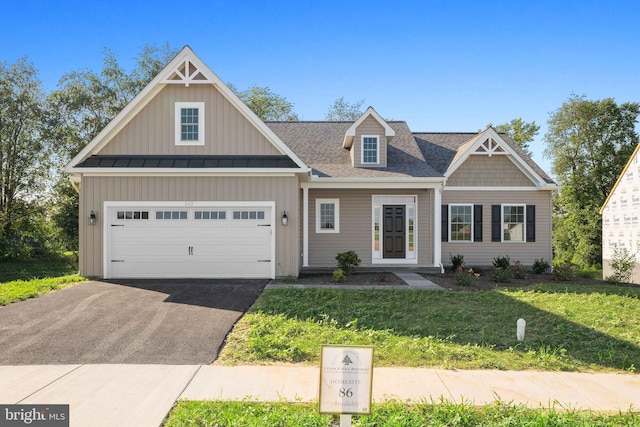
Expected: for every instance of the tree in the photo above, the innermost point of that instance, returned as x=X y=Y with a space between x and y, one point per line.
x=343 y=110
x=589 y=142
x=85 y=103
x=265 y=103
x=24 y=153
x=520 y=131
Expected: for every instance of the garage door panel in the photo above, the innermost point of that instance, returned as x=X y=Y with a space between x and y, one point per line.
x=221 y=248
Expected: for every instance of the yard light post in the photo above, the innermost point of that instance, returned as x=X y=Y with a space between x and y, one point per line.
x=520 y=325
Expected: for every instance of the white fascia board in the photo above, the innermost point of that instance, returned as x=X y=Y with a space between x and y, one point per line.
x=519 y=189
x=371 y=184
x=351 y=132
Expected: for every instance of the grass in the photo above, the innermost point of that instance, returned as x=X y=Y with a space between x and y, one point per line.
x=248 y=413
x=21 y=280
x=570 y=327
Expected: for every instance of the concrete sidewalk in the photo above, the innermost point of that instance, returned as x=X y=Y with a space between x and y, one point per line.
x=142 y=395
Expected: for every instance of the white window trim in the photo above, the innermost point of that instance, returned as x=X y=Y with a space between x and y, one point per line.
x=524 y=222
x=407 y=200
x=336 y=204
x=377 y=138
x=178 y=123
x=449 y=223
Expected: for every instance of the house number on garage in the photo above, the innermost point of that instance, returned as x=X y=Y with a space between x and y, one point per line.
x=346 y=374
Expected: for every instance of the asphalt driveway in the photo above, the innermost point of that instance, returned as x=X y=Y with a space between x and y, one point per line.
x=132 y=321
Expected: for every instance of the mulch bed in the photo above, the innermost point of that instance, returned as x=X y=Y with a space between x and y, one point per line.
x=353 y=279
x=484 y=282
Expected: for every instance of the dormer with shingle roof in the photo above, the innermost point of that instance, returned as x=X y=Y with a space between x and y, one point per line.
x=367 y=140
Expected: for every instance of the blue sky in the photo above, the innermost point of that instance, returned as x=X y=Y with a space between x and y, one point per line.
x=439 y=65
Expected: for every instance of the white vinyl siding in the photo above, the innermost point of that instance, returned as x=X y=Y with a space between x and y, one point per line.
x=189 y=117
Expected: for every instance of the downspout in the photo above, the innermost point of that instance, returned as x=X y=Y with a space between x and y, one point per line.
x=437 y=228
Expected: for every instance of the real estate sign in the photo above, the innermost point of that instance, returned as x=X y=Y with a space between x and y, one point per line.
x=346 y=376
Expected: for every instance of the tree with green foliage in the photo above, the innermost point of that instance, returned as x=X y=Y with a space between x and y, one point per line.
x=344 y=110
x=84 y=104
x=520 y=131
x=267 y=104
x=588 y=142
x=24 y=153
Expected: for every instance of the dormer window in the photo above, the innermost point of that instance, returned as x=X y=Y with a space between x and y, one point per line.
x=189 y=123
x=370 y=150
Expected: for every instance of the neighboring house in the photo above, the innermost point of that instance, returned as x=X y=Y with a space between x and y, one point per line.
x=620 y=212
x=186 y=181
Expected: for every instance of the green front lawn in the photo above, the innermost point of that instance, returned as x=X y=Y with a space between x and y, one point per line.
x=396 y=414
x=570 y=327
x=20 y=280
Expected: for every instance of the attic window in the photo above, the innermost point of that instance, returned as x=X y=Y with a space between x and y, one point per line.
x=189 y=119
x=370 y=151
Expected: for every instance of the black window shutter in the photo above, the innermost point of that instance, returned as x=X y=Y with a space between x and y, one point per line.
x=531 y=223
x=444 y=229
x=496 y=223
x=477 y=223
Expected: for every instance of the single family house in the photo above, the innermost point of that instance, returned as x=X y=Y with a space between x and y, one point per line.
x=620 y=223
x=186 y=181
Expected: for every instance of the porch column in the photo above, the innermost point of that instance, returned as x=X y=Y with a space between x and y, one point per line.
x=305 y=226
x=437 y=227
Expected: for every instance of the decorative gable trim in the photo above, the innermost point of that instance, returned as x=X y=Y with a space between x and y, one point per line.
x=489 y=143
x=185 y=68
x=351 y=132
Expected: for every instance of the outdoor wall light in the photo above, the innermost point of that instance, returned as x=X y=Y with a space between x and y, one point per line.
x=285 y=219
x=93 y=218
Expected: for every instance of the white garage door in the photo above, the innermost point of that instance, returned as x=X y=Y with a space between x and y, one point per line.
x=173 y=241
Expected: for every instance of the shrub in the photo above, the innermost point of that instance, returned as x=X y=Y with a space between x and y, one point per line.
x=465 y=277
x=563 y=272
x=501 y=275
x=348 y=262
x=518 y=270
x=338 y=275
x=457 y=261
x=623 y=262
x=540 y=266
x=503 y=262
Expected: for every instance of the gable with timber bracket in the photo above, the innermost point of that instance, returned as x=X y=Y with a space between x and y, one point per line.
x=488 y=160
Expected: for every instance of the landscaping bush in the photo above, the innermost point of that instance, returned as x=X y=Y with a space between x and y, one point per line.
x=348 y=262
x=465 y=277
x=501 y=275
x=338 y=275
x=540 y=266
x=622 y=263
x=503 y=262
x=518 y=270
x=457 y=261
x=563 y=272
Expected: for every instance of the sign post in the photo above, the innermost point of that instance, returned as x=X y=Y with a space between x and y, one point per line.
x=346 y=377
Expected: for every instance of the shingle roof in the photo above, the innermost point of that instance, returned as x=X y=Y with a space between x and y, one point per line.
x=440 y=149
x=182 y=161
x=319 y=145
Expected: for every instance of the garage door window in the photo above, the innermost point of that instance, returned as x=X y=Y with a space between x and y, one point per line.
x=214 y=215
x=248 y=215
x=133 y=214
x=165 y=215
